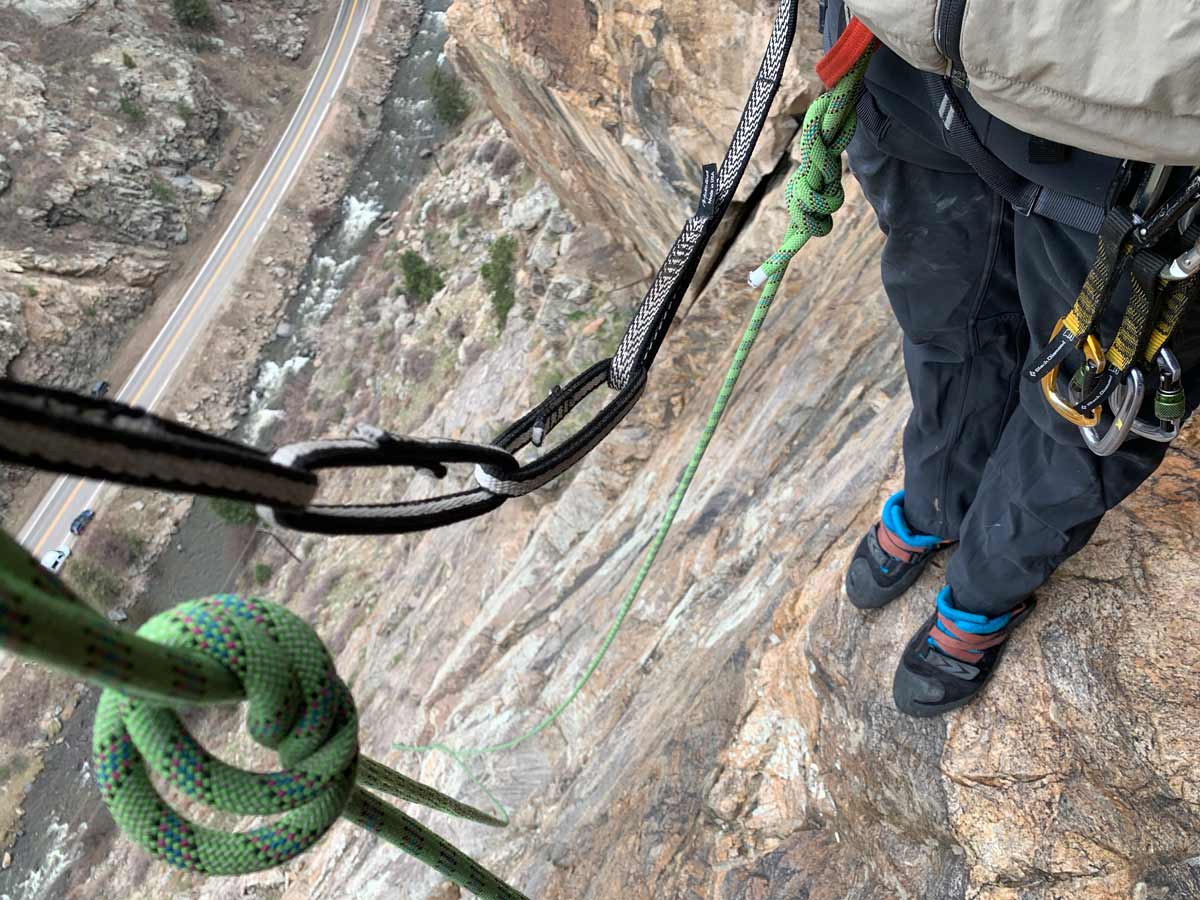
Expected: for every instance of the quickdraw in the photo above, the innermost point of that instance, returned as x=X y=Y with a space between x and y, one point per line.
x=1160 y=292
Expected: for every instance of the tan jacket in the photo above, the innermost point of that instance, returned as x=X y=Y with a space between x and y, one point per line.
x=1116 y=77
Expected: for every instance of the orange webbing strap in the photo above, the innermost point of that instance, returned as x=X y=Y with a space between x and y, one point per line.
x=837 y=63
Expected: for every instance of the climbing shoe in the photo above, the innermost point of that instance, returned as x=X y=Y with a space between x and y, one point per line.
x=889 y=558
x=951 y=657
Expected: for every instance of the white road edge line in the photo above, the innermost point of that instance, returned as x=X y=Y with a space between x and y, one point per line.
x=311 y=94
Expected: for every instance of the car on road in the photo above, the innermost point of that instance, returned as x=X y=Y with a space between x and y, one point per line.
x=81 y=521
x=99 y=389
x=54 y=559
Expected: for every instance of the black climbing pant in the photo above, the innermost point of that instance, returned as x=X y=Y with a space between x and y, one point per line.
x=974 y=288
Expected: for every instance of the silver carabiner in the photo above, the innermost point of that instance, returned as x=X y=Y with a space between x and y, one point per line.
x=1170 y=377
x=1132 y=393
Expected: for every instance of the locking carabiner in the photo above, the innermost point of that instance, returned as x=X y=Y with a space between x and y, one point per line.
x=1125 y=410
x=1170 y=403
x=1095 y=361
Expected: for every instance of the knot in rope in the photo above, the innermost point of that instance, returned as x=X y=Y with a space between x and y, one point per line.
x=814 y=191
x=297 y=706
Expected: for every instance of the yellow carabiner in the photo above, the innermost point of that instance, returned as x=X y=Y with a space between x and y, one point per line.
x=1095 y=355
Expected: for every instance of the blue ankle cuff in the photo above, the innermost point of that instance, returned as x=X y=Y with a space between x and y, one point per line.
x=974 y=623
x=893 y=518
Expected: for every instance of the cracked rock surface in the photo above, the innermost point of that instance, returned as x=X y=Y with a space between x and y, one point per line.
x=739 y=742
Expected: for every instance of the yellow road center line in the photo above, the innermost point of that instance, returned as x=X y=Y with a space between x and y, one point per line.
x=253 y=213
x=283 y=164
x=37 y=550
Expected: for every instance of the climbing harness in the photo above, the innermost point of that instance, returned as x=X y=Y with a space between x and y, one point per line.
x=227 y=649
x=1160 y=291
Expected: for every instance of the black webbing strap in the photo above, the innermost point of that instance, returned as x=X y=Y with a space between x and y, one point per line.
x=1025 y=196
x=870 y=118
x=649 y=326
x=63 y=432
x=534 y=426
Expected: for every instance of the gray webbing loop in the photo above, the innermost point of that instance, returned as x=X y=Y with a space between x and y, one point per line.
x=544 y=418
x=649 y=326
x=373 y=448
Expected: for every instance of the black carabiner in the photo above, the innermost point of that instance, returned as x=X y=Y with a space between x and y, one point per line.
x=545 y=417
x=374 y=448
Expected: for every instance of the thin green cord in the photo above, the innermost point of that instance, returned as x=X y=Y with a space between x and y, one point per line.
x=814 y=193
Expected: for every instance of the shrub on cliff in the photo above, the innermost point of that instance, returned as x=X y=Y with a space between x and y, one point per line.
x=194 y=14
x=451 y=102
x=97 y=583
x=233 y=512
x=421 y=280
x=497 y=274
x=132 y=111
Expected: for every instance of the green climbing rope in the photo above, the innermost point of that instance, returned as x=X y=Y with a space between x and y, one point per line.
x=814 y=193
x=224 y=649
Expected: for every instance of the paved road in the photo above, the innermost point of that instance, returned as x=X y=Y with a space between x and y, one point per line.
x=49 y=527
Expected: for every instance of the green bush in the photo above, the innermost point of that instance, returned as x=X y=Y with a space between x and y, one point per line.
x=497 y=274
x=262 y=573
x=421 y=280
x=162 y=192
x=132 y=111
x=135 y=544
x=194 y=14
x=233 y=512
x=451 y=102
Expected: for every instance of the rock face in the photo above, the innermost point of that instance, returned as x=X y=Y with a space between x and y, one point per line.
x=13 y=332
x=622 y=101
x=52 y=12
x=739 y=741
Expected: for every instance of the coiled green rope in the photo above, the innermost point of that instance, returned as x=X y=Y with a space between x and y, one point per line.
x=223 y=649
x=814 y=193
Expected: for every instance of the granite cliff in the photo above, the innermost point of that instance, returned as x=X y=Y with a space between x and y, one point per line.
x=739 y=742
